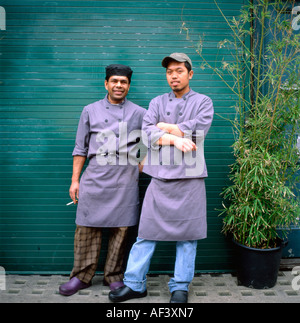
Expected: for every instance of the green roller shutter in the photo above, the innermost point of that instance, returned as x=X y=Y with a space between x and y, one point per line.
x=53 y=55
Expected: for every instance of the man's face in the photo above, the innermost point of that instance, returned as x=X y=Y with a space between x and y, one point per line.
x=178 y=77
x=117 y=87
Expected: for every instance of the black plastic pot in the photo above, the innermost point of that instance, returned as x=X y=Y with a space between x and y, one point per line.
x=258 y=268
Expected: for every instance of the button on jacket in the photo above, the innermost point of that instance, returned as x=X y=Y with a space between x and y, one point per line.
x=193 y=113
x=174 y=207
x=108 y=192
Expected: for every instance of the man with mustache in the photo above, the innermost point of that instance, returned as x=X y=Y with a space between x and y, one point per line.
x=174 y=207
x=107 y=193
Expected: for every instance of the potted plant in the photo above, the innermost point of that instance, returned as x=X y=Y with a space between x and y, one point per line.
x=262 y=197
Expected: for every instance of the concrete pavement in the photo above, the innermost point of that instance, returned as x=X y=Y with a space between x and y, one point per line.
x=205 y=288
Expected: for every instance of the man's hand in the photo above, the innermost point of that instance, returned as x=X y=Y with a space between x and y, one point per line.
x=74 y=191
x=164 y=126
x=141 y=164
x=184 y=144
x=172 y=129
x=78 y=162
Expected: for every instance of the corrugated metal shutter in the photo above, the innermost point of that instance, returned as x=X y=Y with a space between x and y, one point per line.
x=53 y=55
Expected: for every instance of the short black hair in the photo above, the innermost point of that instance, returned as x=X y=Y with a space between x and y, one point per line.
x=188 y=66
x=118 y=69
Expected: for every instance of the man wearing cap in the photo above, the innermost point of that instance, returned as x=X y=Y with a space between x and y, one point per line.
x=174 y=207
x=107 y=193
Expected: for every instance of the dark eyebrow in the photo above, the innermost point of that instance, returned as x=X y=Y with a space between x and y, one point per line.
x=176 y=69
x=116 y=80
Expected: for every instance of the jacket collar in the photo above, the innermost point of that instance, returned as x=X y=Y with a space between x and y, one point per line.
x=122 y=103
x=185 y=96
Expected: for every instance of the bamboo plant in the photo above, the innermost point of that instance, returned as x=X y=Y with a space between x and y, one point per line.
x=264 y=72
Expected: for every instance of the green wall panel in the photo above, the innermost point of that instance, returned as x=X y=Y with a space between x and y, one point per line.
x=53 y=55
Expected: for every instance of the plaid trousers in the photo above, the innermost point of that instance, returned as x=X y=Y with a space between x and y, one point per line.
x=87 y=246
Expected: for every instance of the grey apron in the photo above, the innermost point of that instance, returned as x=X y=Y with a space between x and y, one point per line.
x=174 y=210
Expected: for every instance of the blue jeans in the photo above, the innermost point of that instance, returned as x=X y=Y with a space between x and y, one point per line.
x=139 y=263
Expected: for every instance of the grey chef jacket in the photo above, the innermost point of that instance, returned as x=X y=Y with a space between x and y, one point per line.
x=108 y=192
x=174 y=207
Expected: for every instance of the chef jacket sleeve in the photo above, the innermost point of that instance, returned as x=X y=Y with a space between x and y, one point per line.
x=83 y=135
x=202 y=120
x=151 y=133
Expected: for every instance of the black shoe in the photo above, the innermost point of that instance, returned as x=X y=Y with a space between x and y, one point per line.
x=125 y=293
x=179 y=296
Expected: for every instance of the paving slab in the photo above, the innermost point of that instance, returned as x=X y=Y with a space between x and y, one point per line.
x=205 y=288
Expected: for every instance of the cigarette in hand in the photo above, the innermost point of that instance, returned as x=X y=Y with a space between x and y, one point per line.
x=70 y=203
